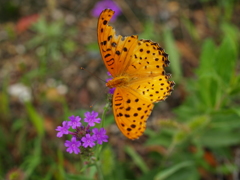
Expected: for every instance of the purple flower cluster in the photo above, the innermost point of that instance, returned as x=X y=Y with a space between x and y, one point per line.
x=106 y=4
x=83 y=136
x=111 y=90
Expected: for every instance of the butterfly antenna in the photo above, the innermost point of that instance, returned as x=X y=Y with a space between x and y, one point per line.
x=92 y=74
x=91 y=106
x=105 y=89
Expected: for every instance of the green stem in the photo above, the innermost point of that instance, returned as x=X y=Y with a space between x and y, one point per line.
x=100 y=175
x=167 y=155
x=97 y=162
x=106 y=108
x=99 y=147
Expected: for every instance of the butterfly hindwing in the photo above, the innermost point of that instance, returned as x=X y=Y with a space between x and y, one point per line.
x=131 y=112
x=155 y=89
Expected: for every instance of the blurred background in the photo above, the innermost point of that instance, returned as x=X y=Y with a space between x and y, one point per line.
x=193 y=135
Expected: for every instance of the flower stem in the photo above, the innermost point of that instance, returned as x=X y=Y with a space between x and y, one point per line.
x=106 y=108
x=99 y=170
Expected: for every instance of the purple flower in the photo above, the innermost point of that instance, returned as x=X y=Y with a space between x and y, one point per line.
x=63 y=129
x=82 y=135
x=109 y=79
x=109 y=74
x=74 y=121
x=73 y=145
x=100 y=135
x=88 y=141
x=104 y=4
x=111 y=90
x=91 y=118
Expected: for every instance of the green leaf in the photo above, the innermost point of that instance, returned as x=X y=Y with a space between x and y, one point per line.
x=137 y=159
x=35 y=117
x=232 y=33
x=174 y=55
x=187 y=173
x=225 y=61
x=164 y=174
x=209 y=86
x=33 y=160
x=163 y=138
x=193 y=126
x=107 y=161
x=148 y=32
x=226 y=119
x=227 y=169
x=77 y=177
x=198 y=122
x=208 y=91
x=207 y=56
x=191 y=28
x=40 y=26
x=180 y=136
x=69 y=46
x=235 y=86
x=218 y=137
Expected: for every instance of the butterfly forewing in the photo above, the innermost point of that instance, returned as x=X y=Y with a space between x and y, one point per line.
x=114 y=49
x=148 y=59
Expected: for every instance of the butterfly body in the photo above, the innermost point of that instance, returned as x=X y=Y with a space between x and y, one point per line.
x=137 y=68
x=118 y=81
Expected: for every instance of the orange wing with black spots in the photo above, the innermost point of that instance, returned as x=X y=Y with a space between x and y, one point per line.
x=137 y=67
x=114 y=49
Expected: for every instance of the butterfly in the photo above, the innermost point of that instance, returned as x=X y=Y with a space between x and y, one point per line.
x=139 y=79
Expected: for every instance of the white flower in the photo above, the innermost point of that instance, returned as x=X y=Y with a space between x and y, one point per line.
x=22 y=92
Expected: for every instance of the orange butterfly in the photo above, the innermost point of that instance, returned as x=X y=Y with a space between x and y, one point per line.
x=137 y=68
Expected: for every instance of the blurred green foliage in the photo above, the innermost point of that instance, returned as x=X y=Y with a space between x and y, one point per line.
x=52 y=39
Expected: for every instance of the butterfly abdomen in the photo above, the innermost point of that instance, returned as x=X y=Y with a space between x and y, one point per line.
x=119 y=81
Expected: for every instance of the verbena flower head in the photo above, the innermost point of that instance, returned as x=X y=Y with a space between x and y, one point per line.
x=111 y=90
x=88 y=141
x=99 y=135
x=63 y=129
x=91 y=118
x=83 y=138
x=106 y=4
x=73 y=145
x=74 y=122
